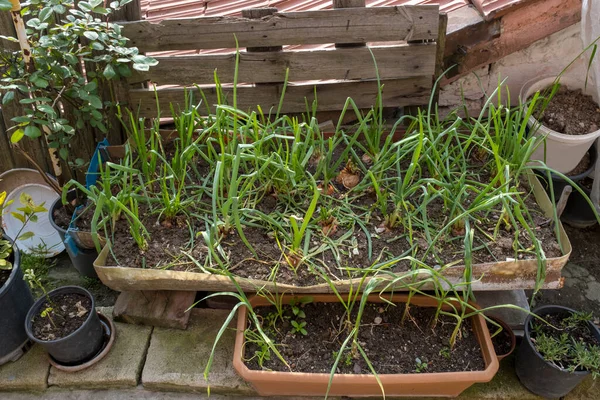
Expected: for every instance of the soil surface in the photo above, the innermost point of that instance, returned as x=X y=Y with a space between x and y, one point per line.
x=62 y=217
x=63 y=315
x=571 y=112
x=502 y=342
x=83 y=219
x=579 y=332
x=393 y=346
x=583 y=165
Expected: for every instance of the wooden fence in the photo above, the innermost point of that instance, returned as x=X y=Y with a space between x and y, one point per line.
x=406 y=41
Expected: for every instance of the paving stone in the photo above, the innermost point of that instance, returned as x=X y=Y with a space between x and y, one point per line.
x=30 y=372
x=176 y=359
x=505 y=385
x=575 y=271
x=593 y=291
x=120 y=368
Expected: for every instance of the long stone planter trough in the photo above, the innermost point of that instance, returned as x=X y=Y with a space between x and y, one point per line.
x=512 y=274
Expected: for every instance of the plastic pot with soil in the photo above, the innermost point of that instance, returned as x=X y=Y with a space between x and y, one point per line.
x=505 y=341
x=81 y=258
x=570 y=124
x=554 y=358
x=577 y=211
x=410 y=357
x=15 y=301
x=66 y=324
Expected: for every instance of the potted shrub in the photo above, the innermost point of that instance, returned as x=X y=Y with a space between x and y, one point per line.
x=559 y=349
x=46 y=74
x=15 y=295
x=569 y=121
x=15 y=301
x=65 y=322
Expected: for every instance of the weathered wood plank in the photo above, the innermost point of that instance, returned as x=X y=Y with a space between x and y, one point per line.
x=352 y=25
x=331 y=96
x=6 y=158
x=395 y=62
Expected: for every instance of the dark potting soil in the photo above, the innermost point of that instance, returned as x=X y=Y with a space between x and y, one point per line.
x=83 y=218
x=393 y=346
x=580 y=333
x=583 y=165
x=65 y=314
x=571 y=112
x=62 y=217
x=502 y=342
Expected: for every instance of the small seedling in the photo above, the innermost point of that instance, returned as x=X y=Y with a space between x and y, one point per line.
x=46 y=314
x=298 y=327
x=445 y=352
x=347 y=359
x=420 y=366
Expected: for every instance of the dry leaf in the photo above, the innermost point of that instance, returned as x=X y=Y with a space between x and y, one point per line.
x=347 y=179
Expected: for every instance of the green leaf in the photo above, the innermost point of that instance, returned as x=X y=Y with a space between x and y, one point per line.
x=59 y=9
x=41 y=83
x=8 y=97
x=32 y=131
x=33 y=218
x=64 y=153
x=17 y=136
x=9 y=38
x=5 y=5
x=45 y=108
x=26 y=235
x=141 y=67
x=109 y=72
x=97 y=46
x=45 y=14
x=95 y=101
x=71 y=59
x=18 y=216
x=90 y=86
x=90 y=35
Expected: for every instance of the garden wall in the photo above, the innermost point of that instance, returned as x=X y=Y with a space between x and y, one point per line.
x=547 y=56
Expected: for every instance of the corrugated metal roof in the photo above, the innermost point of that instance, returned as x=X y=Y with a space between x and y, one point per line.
x=157 y=10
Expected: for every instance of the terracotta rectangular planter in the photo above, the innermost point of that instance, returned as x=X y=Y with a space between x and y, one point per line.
x=446 y=384
x=502 y=275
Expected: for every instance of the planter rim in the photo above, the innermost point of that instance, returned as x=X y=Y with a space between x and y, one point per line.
x=484 y=375
x=513 y=343
x=526 y=91
x=584 y=174
x=538 y=311
x=38 y=302
x=16 y=264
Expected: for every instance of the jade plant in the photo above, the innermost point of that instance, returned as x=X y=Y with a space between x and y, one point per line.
x=47 y=77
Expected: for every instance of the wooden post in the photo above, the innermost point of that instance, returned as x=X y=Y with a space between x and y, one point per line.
x=337 y=4
x=439 y=55
x=258 y=13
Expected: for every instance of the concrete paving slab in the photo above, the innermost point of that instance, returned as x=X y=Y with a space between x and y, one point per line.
x=176 y=359
x=30 y=372
x=121 y=367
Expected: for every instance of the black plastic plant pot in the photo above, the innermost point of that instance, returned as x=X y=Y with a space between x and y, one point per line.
x=81 y=345
x=577 y=212
x=15 y=301
x=71 y=195
x=82 y=259
x=540 y=376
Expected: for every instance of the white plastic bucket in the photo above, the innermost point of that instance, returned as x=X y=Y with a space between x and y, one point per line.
x=563 y=152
